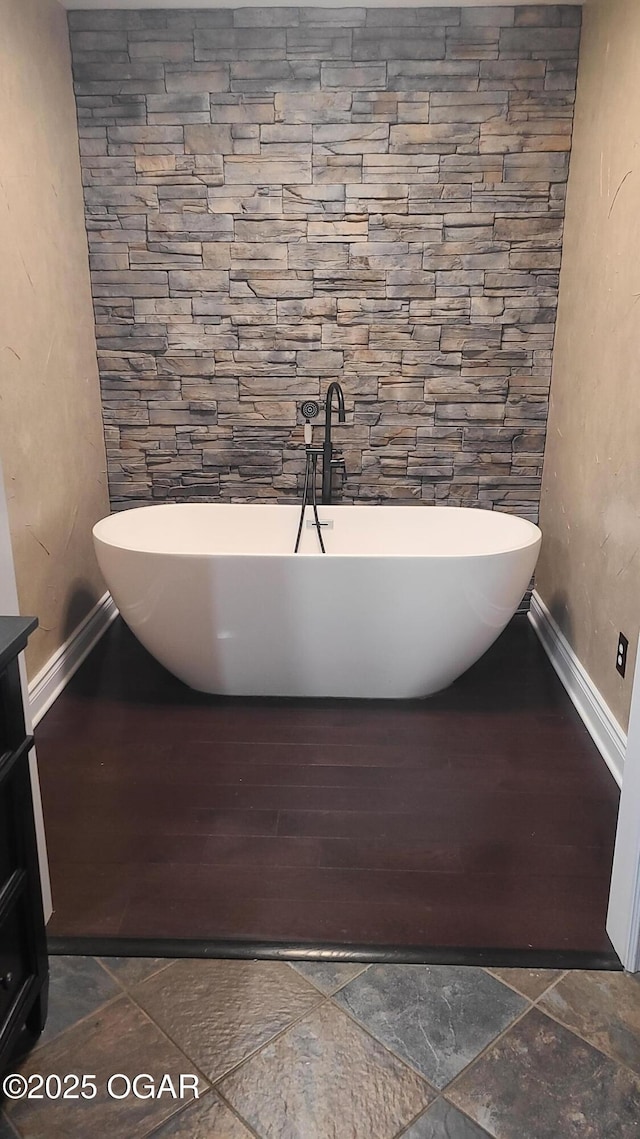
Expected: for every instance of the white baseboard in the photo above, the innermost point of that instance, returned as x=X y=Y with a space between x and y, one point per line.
x=57 y=672
x=598 y=718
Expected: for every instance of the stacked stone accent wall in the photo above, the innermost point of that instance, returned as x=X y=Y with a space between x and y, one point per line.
x=279 y=197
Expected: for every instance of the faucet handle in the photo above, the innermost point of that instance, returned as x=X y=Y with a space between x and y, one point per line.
x=338 y=461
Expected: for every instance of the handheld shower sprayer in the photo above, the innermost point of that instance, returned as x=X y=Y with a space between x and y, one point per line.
x=310 y=409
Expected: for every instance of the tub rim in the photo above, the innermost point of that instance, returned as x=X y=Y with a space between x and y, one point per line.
x=535 y=534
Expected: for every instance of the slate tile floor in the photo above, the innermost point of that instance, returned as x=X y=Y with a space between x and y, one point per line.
x=339 y=1051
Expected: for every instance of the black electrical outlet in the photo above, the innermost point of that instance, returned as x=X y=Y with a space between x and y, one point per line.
x=621 y=656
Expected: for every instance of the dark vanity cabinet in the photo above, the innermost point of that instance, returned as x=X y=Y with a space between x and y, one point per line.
x=24 y=970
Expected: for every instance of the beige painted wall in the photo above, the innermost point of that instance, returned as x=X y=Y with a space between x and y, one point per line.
x=51 y=441
x=589 y=572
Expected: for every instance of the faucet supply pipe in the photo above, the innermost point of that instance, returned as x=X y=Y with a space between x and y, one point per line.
x=327 y=449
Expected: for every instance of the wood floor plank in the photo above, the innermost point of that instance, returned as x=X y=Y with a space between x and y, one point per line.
x=483 y=816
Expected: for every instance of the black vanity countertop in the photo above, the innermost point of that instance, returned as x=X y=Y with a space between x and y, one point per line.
x=14 y=634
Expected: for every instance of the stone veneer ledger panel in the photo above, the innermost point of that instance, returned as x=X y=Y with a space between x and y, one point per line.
x=278 y=197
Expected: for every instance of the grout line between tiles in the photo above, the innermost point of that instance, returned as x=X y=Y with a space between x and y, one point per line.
x=156 y=1127
x=234 y=1111
x=116 y=997
x=324 y=992
x=327 y=1000
x=442 y=1092
x=533 y=1000
x=213 y=1083
x=271 y=1040
x=401 y=1059
x=417 y=1117
x=147 y=1016
x=575 y=1032
x=125 y=996
x=209 y=1085
x=108 y=971
x=483 y=1129
x=209 y=1092
x=564 y=973
x=41 y=1044
x=163 y=1032
x=328 y=997
x=441 y=1096
x=10 y=1125
x=120 y=997
x=487 y=1048
x=533 y=1004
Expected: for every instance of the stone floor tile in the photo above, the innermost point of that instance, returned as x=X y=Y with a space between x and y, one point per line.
x=6 y=1130
x=532 y=983
x=329 y=976
x=326 y=1079
x=542 y=1082
x=210 y=1119
x=604 y=1008
x=117 y=1038
x=131 y=971
x=77 y=986
x=443 y=1121
x=437 y=1017
x=219 y=1012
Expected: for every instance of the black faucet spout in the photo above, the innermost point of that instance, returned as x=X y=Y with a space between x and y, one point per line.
x=334 y=389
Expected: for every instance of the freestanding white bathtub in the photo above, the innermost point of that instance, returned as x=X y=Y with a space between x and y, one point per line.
x=405 y=599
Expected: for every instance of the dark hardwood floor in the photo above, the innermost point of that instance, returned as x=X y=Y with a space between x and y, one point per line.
x=482 y=817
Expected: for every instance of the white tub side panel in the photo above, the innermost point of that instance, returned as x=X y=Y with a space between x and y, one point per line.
x=358 y=627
